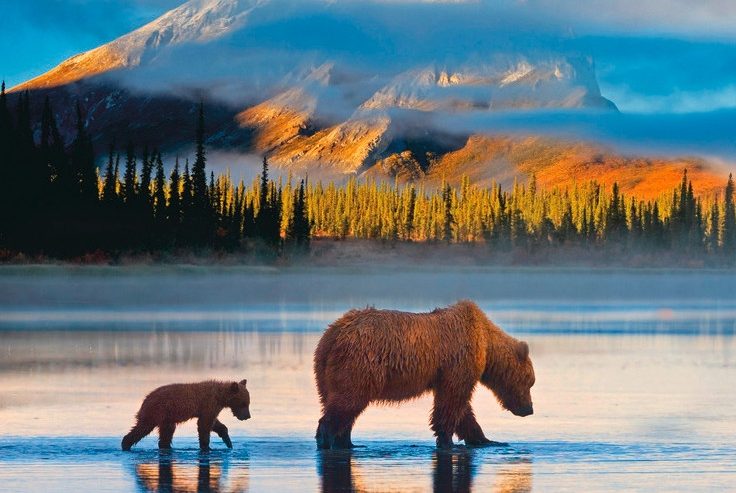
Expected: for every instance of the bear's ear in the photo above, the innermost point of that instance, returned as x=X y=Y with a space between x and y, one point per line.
x=522 y=350
x=234 y=387
x=243 y=382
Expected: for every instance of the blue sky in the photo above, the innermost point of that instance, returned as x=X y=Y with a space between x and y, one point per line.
x=38 y=34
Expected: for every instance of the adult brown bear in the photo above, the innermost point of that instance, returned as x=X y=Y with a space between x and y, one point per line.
x=389 y=356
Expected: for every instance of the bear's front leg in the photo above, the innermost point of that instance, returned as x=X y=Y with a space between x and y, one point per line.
x=221 y=430
x=443 y=421
x=449 y=406
x=204 y=428
x=470 y=431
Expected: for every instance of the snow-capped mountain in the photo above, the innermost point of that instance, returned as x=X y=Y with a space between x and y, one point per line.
x=195 y=21
x=336 y=84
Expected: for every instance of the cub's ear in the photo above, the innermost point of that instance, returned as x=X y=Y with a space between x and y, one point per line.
x=243 y=382
x=234 y=387
x=522 y=351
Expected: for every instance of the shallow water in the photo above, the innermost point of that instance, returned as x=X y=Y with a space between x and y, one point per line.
x=634 y=391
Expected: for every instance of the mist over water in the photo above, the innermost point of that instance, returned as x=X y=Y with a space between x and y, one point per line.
x=634 y=375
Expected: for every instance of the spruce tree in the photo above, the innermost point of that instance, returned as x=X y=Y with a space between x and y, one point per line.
x=159 y=196
x=83 y=163
x=109 y=189
x=144 y=190
x=266 y=217
x=714 y=230
x=199 y=173
x=174 y=210
x=448 y=218
x=51 y=146
x=130 y=179
x=409 y=218
x=7 y=162
x=729 y=219
x=298 y=230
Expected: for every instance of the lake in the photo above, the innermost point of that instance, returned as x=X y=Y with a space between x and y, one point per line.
x=635 y=378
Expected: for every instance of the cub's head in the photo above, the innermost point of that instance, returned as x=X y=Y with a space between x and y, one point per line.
x=239 y=400
x=511 y=376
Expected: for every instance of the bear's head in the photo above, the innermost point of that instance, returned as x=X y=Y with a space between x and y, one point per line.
x=239 y=400
x=510 y=375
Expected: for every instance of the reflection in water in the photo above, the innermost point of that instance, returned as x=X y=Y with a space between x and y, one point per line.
x=335 y=469
x=452 y=472
x=167 y=476
x=514 y=478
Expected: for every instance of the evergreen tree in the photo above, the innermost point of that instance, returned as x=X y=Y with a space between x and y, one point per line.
x=267 y=223
x=616 y=217
x=51 y=146
x=714 y=230
x=130 y=179
x=199 y=222
x=144 y=190
x=199 y=173
x=409 y=219
x=729 y=219
x=448 y=218
x=174 y=211
x=159 y=196
x=298 y=230
x=109 y=189
x=83 y=163
x=7 y=162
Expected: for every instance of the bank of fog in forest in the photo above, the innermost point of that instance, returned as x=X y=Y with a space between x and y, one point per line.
x=55 y=202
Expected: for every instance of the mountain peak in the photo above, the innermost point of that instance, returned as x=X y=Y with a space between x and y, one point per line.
x=193 y=21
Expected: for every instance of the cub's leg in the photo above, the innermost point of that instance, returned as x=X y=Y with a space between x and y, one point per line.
x=451 y=397
x=140 y=430
x=221 y=431
x=204 y=428
x=469 y=430
x=165 y=434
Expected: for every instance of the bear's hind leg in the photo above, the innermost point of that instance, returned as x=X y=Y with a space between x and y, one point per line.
x=140 y=430
x=165 y=434
x=470 y=431
x=335 y=426
x=221 y=431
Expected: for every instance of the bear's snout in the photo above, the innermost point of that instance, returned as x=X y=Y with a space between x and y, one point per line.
x=524 y=411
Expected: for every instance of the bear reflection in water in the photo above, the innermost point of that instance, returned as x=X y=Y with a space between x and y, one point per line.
x=166 y=476
x=452 y=472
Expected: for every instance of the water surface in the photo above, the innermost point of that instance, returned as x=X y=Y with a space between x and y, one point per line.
x=634 y=384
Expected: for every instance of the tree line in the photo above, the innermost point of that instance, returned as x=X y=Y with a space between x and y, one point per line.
x=54 y=201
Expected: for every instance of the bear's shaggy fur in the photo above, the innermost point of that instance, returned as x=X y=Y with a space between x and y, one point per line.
x=389 y=356
x=169 y=405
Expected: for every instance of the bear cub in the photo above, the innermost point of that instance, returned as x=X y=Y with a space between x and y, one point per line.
x=172 y=404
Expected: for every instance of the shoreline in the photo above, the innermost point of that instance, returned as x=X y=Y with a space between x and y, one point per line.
x=327 y=255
